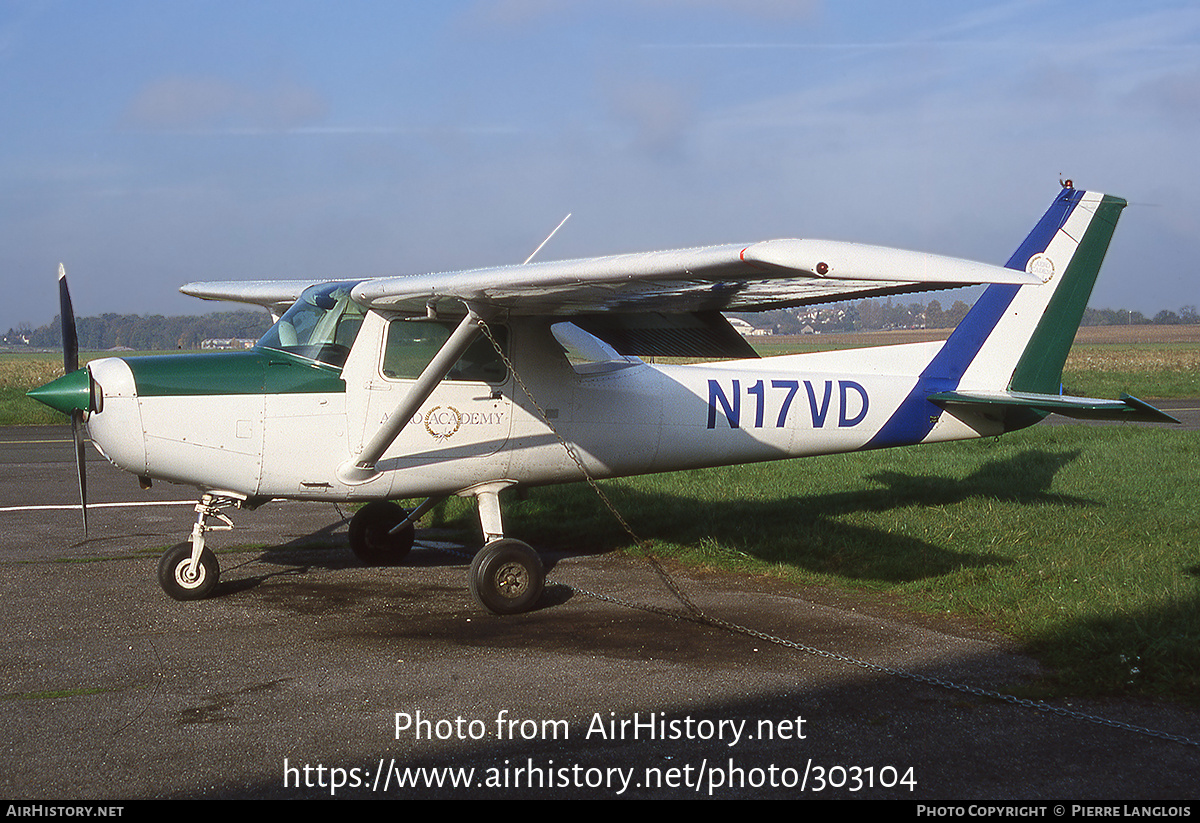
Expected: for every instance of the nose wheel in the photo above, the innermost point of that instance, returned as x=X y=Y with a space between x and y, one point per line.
x=183 y=581
x=189 y=571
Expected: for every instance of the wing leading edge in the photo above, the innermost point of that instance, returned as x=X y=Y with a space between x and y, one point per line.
x=766 y=275
x=275 y=295
x=763 y=275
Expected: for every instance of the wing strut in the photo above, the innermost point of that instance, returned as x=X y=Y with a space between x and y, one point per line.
x=361 y=469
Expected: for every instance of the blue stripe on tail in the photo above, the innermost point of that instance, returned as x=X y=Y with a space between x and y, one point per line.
x=915 y=417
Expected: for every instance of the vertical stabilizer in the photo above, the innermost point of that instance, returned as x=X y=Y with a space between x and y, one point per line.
x=1041 y=364
x=1016 y=338
x=1027 y=331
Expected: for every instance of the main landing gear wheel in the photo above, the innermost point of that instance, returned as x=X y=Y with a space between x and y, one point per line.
x=371 y=539
x=174 y=578
x=507 y=577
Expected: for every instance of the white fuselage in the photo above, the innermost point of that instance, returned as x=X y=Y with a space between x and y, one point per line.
x=619 y=418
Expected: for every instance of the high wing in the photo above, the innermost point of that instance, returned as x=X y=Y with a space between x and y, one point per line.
x=275 y=295
x=765 y=275
x=664 y=303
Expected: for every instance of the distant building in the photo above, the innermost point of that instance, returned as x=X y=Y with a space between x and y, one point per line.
x=228 y=343
x=745 y=329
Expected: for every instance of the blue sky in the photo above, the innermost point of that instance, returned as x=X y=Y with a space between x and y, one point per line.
x=148 y=144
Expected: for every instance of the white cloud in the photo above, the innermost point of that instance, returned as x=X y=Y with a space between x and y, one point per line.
x=183 y=103
x=522 y=12
x=659 y=113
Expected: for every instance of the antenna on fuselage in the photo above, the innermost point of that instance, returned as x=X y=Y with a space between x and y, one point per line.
x=547 y=240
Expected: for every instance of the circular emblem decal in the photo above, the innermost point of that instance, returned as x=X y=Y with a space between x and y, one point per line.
x=441 y=422
x=1041 y=266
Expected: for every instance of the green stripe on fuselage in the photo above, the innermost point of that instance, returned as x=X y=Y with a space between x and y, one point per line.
x=259 y=371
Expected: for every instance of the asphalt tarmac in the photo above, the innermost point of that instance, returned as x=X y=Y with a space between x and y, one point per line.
x=311 y=676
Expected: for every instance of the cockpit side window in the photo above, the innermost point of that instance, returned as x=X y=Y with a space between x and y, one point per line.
x=411 y=344
x=320 y=326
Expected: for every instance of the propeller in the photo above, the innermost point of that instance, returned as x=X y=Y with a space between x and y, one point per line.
x=70 y=340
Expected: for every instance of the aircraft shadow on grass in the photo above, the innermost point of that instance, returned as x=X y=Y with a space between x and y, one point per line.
x=804 y=532
x=807 y=532
x=1115 y=652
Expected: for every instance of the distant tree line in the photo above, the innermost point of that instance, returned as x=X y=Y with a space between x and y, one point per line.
x=152 y=332
x=158 y=333
x=877 y=315
x=1123 y=317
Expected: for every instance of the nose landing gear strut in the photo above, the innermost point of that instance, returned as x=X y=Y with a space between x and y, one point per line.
x=188 y=570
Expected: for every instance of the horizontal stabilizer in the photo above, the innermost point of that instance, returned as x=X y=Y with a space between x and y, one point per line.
x=1081 y=408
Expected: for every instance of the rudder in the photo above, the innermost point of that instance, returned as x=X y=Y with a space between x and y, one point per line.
x=1041 y=364
x=1027 y=331
x=1016 y=338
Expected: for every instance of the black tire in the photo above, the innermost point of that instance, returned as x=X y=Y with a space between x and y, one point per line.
x=507 y=577
x=172 y=573
x=370 y=537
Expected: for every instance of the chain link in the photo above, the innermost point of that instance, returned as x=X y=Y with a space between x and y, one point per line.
x=695 y=615
x=591 y=481
x=976 y=691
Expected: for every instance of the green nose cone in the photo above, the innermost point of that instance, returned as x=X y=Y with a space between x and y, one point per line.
x=68 y=393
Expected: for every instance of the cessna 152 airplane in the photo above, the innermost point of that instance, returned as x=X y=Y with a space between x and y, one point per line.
x=471 y=382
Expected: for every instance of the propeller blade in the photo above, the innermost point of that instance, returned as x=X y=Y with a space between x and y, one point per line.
x=70 y=340
x=77 y=436
x=69 y=335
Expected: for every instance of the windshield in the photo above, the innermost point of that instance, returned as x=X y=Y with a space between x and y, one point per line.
x=320 y=326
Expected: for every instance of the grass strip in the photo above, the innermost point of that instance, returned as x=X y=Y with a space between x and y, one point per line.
x=1079 y=542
